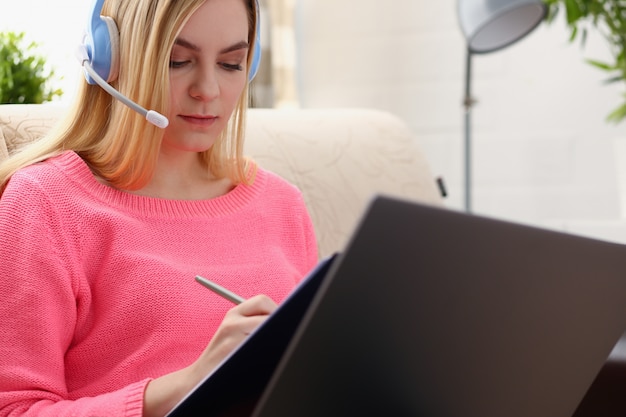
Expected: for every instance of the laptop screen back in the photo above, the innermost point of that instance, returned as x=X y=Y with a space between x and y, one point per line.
x=432 y=312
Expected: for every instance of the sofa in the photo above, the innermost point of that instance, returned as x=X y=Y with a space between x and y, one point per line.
x=338 y=158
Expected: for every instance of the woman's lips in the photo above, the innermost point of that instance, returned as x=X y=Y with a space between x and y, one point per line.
x=199 y=120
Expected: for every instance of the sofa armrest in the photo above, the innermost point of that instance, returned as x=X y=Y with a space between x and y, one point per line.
x=21 y=124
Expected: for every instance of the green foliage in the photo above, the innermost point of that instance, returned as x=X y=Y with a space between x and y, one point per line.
x=24 y=76
x=608 y=17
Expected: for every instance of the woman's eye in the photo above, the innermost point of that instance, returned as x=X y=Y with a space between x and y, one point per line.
x=178 y=64
x=232 y=67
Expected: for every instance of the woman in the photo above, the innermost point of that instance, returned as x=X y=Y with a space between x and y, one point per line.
x=105 y=223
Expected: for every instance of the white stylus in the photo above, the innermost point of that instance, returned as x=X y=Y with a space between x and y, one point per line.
x=218 y=289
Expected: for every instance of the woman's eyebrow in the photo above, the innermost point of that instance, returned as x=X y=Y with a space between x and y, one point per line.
x=190 y=45
x=186 y=44
x=235 y=47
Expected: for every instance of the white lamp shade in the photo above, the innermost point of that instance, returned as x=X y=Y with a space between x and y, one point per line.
x=489 y=25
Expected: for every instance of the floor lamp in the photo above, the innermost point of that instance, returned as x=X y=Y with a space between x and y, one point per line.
x=490 y=25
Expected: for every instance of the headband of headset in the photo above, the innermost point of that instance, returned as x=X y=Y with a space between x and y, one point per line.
x=102 y=45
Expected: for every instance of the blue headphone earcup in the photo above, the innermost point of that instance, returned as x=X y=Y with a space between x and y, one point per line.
x=102 y=43
x=256 y=55
x=256 y=60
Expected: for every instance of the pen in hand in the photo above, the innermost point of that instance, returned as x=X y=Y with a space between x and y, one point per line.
x=218 y=289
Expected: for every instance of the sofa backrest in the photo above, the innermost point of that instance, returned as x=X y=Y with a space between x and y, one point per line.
x=338 y=158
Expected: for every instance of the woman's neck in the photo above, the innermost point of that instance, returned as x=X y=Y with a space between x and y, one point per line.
x=183 y=176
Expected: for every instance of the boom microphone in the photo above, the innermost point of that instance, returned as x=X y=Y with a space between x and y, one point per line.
x=151 y=116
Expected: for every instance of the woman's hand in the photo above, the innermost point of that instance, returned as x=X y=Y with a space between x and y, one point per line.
x=238 y=323
x=163 y=393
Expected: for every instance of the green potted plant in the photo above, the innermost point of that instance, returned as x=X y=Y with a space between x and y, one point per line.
x=24 y=75
x=607 y=17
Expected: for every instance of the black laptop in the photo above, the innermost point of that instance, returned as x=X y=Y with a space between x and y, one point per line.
x=437 y=313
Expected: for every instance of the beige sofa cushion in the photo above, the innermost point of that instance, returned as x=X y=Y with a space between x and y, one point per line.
x=339 y=158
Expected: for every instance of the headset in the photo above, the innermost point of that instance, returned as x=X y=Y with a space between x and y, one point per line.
x=99 y=56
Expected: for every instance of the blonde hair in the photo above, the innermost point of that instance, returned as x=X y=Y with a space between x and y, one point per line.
x=116 y=142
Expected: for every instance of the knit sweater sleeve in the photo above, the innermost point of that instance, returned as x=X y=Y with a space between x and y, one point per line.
x=41 y=288
x=312 y=254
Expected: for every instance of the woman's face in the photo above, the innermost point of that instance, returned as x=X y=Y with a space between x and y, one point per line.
x=207 y=74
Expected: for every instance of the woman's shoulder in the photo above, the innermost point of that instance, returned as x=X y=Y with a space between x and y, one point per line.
x=51 y=172
x=275 y=183
x=64 y=163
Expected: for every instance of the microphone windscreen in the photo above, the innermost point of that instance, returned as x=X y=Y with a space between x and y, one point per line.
x=157 y=119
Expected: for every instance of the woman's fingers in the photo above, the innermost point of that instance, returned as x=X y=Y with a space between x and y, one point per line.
x=237 y=324
x=258 y=305
x=249 y=315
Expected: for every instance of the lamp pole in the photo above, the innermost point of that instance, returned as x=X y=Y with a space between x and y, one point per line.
x=490 y=25
x=468 y=102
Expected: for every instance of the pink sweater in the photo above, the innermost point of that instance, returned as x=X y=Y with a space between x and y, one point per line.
x=98 y=290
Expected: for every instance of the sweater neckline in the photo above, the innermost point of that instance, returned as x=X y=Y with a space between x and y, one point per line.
x=79 y=173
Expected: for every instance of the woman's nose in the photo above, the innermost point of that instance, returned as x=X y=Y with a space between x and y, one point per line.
x=205 y=86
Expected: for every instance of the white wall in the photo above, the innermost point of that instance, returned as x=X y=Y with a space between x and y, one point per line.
x=542 y=153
